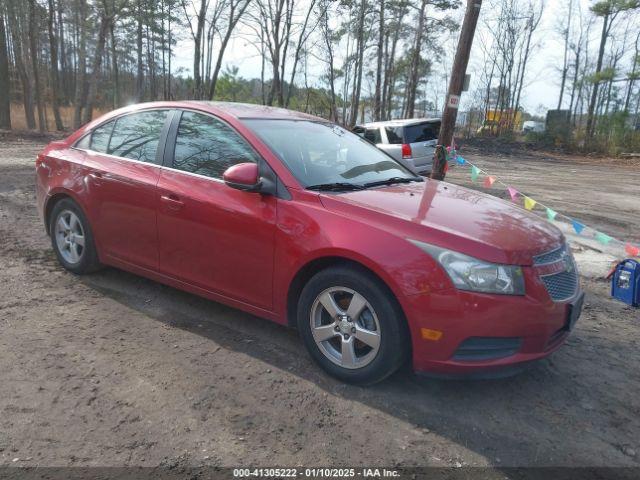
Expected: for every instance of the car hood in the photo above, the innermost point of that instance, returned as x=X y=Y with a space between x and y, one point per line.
x=452 y=217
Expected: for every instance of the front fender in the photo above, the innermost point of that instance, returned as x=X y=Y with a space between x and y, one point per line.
x=308 y=232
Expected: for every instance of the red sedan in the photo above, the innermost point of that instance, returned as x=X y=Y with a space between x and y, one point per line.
x=295 y=219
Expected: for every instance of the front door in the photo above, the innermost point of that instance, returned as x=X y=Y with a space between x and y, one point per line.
x=211 y=235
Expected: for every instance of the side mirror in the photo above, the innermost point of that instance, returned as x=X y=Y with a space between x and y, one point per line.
x=243 y=176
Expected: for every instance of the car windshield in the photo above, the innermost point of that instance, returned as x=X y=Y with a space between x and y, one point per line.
x=320 y=153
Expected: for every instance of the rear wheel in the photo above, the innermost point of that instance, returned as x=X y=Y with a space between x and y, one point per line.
x=71 y=238
x=352 y=325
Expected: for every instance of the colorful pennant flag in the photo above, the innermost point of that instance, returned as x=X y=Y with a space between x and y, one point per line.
x=475 y=171
x=631 y=250
x=551 y=214
x=529 y=203
x=489 y=180
x=603 y=238
x=577 y=226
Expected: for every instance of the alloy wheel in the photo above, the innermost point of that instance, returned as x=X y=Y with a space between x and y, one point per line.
x=70 y=237
x=345 y=327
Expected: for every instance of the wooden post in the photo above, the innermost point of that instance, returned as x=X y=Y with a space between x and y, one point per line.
x=455 y=87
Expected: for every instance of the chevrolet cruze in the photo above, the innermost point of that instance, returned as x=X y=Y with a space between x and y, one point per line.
x=297 y=220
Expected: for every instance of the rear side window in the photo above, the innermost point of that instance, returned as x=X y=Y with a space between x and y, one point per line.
x=373 y=135
x=422 y=132
x=100 y=137
x=208 y=147
x=136 y=136
x=394 y=135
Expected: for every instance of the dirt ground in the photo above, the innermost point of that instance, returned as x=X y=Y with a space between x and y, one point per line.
x=115 y=370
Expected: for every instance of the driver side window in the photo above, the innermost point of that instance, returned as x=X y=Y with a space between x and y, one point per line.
x=206 y=146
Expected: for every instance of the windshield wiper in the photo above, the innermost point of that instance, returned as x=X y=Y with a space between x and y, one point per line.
x=392 y=180
x=336 y=187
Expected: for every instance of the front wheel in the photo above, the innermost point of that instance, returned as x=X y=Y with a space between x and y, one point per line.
x=352 y=326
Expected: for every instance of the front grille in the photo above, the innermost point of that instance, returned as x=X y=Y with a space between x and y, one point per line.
x=563 y=284
x=551 y=257
x=487 y=348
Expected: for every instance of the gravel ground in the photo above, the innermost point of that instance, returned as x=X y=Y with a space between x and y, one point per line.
x=115 y=370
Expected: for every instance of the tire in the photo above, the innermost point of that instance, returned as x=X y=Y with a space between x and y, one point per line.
x=349 y=350
x=67 y=226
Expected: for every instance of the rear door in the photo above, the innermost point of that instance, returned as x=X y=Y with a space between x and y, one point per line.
x=211 y=235
x=422 y=137
x=123 y=170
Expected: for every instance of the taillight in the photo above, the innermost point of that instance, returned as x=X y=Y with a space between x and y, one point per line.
x=406 y=150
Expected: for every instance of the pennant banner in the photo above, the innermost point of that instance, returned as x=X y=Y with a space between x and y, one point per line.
x=577 y=226
x=603 y=238
x=475 y=171
x=631 y=250
x=530 y=203
x=489 y=181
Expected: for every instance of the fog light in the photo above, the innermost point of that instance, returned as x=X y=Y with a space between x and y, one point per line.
x=428 y=334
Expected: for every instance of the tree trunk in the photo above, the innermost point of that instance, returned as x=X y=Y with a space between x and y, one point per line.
x=233 y=21
x=33 y=47
x=81 y=77
x=140 y=73
x=532 y=28
x=565 y=66
x=169 y=55
x=332 y=76
x=633 y=75
x=355 y=97
x=412 y=85
x=114 y=66
x=105 y=22
x=377 y=98
x=5 y=101
x=197 y=54
x=296 y=58
x=390 y=71
x=594 y=92
x=64 y=85
x=55 y=76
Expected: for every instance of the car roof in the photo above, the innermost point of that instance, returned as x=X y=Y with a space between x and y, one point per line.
x=232 y=109
x=400 y=122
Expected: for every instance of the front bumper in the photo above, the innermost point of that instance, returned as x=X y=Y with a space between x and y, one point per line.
x=512 y=330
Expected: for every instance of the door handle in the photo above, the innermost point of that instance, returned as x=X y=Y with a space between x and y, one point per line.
x=172 y=201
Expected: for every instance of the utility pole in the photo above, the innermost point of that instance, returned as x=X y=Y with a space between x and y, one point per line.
x=455 y=87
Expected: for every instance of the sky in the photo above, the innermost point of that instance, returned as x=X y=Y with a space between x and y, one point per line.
x=542 y=84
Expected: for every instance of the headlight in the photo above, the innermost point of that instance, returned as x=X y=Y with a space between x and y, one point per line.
x=468 y=273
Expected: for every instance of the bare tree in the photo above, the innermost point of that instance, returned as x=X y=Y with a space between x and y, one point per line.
x=565 y=30
x=236 y=8
x=360 y=47
x=33 y=50
x=5 y=100
x=55 y=76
